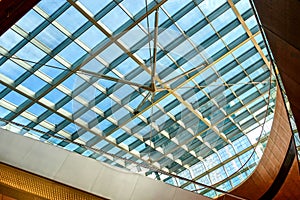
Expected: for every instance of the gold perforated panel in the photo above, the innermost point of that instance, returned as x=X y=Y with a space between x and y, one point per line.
x=12 y=179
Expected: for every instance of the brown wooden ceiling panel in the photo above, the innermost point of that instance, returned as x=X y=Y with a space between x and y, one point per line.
x=12 y=10
x=282 y=18
x=281 y=22
x=290 y=188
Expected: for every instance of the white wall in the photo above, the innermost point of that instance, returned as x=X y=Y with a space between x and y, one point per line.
x=83 y=173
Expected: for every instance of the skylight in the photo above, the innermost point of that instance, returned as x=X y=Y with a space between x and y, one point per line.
x=180 y=86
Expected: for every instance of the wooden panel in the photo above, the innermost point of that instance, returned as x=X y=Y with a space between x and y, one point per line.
x=281 y=22
x=291 y=187
x=4 y=197
x=12 y=10
x=282 y=18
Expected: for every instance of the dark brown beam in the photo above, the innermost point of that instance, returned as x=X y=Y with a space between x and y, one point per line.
x=12 y=10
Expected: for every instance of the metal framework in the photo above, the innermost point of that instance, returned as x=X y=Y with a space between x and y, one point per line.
x=188 y=94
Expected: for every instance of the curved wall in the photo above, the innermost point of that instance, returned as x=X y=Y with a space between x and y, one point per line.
x=275 y=164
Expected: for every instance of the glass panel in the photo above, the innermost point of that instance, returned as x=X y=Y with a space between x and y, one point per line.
x=34 y=83
x=9 y=39
x=30 y=21
x=15 y=98
x=115 y=18
x=11 y=70
x=92 y=37
x=71 y=19
x=51 y=36
x=94 y=6
x=197 y=125
x=72 y=53
x=50 y=6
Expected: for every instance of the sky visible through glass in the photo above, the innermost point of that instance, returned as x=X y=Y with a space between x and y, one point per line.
x=184 y=86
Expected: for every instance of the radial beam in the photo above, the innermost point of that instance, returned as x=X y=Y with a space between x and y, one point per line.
x=199 y=134
x=110 y=78
x=181 y=75
x=114 y=39
x=94 y=53
x=198 y=114
x=249 y=33
x=153 y=85
x=186 y=81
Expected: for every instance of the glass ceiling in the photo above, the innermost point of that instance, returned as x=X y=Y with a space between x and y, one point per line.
x=180 y=86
